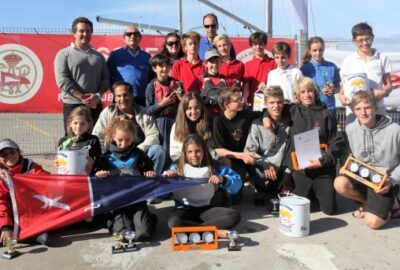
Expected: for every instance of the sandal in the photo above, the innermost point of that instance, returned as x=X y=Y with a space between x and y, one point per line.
x=359 y=213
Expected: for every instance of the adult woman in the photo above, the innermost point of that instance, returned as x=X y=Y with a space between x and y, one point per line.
x=172 y=46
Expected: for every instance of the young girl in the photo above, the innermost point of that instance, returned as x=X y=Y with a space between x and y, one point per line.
x=79 y=126
x=195 y=154
x=12 y=161
x=192 y=117
x=124 y=157
x=325 y=74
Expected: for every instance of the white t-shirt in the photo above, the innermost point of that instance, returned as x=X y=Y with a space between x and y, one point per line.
x=285 y=78
x=375 y=67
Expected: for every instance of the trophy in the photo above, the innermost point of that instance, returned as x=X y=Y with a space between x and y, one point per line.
x=194 y=238
x=181 y=238
x=11 y=252
x=364 y=173
x=275 y=206
x=130 y=236
x=118 y=246
x=207 y=237
x=233 y=237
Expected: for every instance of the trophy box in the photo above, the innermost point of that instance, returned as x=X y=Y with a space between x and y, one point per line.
x=194 y=238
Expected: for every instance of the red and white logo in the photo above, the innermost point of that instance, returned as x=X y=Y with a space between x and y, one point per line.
x=21 y=73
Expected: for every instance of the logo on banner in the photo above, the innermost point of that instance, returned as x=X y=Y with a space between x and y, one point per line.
x=21 y=73
x=247 y=55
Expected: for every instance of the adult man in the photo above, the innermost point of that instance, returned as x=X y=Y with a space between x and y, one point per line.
x=147 y=133
x=131 y=64
x=375 y=140
x=210 y=24
x=81 y=72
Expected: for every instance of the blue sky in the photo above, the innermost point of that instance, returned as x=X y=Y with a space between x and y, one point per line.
x=330 y=19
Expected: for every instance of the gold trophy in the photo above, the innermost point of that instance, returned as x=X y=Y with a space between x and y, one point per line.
x=364 y=173
x=11 y=252
x=118 y=246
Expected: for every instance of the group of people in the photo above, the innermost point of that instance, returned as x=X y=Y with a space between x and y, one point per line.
x=188 y=111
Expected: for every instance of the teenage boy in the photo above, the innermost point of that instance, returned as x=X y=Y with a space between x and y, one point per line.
x=162 y=98
x=370 y=62
x=230 y=130
x=285 y=75
x=213 y=82
x=189 y=70
x=373 y=139
x=269 y=146
x=257 y=69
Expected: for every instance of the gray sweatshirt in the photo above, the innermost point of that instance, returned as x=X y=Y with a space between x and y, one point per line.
x=269 y=145
x=76 y=69
x=378 y=146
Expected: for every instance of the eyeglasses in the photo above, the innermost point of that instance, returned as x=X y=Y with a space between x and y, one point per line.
x=129 y=34
x=362 y=41
x=8 y=151
x=238 y=100
x=171 y=43
x=210 y=26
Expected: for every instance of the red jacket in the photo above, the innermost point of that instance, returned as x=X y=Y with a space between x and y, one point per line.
x=25 y=166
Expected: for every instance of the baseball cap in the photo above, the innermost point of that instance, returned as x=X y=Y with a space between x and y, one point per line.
x=210 y=54
x=7 y=143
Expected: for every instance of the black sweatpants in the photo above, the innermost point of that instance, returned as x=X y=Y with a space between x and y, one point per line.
x=222 y=218
x=321 y=185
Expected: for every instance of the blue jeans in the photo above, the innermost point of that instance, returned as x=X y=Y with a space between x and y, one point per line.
x=157 y=154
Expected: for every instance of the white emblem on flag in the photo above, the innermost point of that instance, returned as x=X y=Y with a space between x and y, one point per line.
x=52 y=202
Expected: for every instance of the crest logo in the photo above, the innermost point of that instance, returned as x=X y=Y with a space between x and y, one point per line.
x=21 y=73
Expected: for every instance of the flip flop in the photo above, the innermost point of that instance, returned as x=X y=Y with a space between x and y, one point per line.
x=359 y=213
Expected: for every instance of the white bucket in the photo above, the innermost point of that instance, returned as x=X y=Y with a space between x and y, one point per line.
x=354 y=83
x=72 y=162
x=294 y=216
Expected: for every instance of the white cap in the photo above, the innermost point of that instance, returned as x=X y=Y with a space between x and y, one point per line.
x=7 y=143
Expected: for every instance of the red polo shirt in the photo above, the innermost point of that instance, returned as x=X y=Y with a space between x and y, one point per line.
x=256 y=72
x=190 y=75
x=233 y=72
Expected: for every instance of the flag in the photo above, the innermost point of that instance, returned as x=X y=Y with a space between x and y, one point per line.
x=47 y=202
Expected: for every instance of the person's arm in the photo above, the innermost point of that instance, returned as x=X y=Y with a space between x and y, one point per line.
x=100 y=128
x=63 y=75
x=343 y=98
x=175 y=147
x=387 y=87
x=145 y=164
x=231 y=180
x=150 y=132
x=105 y=77
x=6 y=218
x=152 y=108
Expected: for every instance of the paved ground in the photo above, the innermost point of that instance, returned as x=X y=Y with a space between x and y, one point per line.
x=335 y=242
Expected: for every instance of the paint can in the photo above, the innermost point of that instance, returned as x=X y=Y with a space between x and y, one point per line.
x=73 y=162
x=294 y=216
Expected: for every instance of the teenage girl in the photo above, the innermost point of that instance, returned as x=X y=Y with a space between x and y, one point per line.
x=195 y=154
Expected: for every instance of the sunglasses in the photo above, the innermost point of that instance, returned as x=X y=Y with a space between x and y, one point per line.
x=129 y=34
x=171 y=43
x=210 y=26
x=8 y=151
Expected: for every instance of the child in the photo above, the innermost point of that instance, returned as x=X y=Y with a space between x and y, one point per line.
x=213 y=82
x=189 y=70
x=192 y=117
x=162 y=98
x=79 y=126
x=124 y=157
x=369 y=61
x=257 y=69
x=230 y=130
x=269 y=175
x=285 y=75
x=195 y=153
x=325 y=74
x=12 y=161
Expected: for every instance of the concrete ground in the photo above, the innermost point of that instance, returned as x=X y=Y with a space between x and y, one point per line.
x=335 y=242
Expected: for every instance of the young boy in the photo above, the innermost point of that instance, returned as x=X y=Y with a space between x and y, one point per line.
x=380 y=150
x=285 y=75
x=230 y=130
x=270 y=148
x=369 y=61
x=162 y=98
x=257 y=69
x=189 y=70
x=213 y=82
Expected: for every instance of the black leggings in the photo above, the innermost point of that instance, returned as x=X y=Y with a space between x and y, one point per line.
x=322 y=186
x=222 y=218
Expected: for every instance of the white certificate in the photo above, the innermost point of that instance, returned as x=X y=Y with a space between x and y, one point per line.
x=307 y=147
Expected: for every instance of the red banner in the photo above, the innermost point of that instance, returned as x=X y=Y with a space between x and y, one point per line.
x=27 y=82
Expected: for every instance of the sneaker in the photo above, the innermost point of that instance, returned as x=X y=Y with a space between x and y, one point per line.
x=42 y=238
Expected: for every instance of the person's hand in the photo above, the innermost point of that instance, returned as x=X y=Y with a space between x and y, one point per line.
x=341 y=170
x=270 y=172
x=385 y=188
x=102 y=174
x=328 y=90
x=248 y=158
x=90 y=100
x=313 y=164
x=215 y=179
x=261 y=86
x=5 y=236
x=150 y=174
x=285 y=189
x=168 y=99
x=268 y=124
x=89 y=166
x=344 y=100
x=170 y=173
